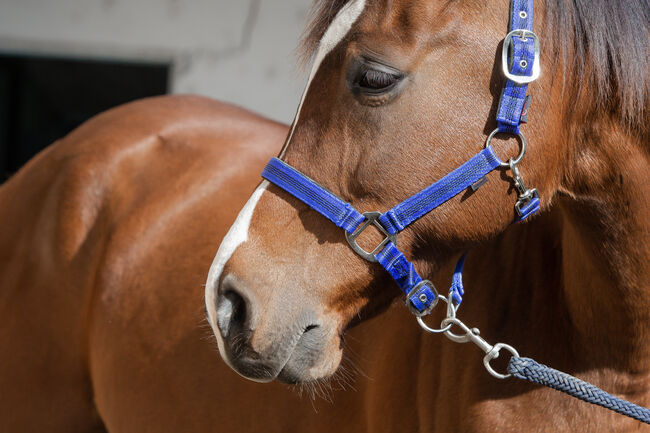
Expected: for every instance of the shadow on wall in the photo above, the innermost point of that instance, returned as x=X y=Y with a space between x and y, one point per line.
x=43 y=99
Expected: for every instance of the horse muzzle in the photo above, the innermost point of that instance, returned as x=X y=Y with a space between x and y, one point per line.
x=263 y=341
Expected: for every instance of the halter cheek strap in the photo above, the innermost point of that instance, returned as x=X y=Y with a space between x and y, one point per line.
x=520 y=66
x=418 y=205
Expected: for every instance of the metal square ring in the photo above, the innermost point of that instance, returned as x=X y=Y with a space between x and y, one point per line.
x=423 y=298
x=522 y=34
x=371 y=218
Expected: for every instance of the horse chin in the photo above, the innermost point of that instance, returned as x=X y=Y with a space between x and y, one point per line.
x=296 y=371
x=314 y=357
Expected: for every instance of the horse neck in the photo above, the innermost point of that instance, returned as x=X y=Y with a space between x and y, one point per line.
x=570 y=287
x=605 y=212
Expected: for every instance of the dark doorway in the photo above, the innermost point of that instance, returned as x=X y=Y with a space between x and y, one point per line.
x=42 y=99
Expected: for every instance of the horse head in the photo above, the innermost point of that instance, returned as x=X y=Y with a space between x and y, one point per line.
x=401 y=93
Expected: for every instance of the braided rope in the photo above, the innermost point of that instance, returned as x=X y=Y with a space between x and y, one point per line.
x=528 y=369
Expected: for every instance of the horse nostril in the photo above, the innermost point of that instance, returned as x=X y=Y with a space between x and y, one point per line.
x=231 y=312
x=309 y=328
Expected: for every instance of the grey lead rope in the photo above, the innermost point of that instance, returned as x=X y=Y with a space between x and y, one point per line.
x=528 y=369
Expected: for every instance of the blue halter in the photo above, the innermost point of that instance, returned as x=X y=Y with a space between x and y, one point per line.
x=520 y=62
x=521 y=66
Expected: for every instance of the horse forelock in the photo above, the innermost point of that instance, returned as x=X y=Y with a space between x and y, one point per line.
x=335 y=31
x=321 y=16
x=602 y=45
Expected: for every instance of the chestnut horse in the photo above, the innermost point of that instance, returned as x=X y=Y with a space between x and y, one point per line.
x=107 y=236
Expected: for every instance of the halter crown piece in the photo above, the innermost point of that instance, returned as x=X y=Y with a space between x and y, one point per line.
x=520 y=66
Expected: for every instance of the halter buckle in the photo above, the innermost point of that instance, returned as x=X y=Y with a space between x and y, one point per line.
x=371 y=218
x=423 y=298
x=507 y=42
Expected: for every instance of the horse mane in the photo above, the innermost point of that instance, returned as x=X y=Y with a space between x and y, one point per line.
x=603 y=43
x=607 y=51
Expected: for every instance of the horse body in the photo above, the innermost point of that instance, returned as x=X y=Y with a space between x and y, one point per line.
x=103 y=261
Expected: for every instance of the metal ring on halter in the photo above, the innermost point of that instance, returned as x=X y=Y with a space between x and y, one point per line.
x=515 y=161
x=494 y=353
x=451 y=312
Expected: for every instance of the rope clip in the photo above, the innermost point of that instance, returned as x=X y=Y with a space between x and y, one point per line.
x=473 y=335
x=528 y=199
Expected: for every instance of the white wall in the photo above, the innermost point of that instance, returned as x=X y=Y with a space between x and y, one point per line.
x=240 y=51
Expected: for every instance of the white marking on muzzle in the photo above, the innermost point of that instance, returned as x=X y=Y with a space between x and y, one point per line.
x=238 y=233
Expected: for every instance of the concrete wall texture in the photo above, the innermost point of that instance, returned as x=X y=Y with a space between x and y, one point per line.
x=241 y=51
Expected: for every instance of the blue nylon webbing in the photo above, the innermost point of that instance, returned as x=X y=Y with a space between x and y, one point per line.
x=513 y=96
x=414 y=207
x=529 y=209
x=341 y=213
x=404 y=274
x=457 y=290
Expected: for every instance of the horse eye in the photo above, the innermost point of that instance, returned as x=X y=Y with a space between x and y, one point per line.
x=373 y=83
x=374 y=80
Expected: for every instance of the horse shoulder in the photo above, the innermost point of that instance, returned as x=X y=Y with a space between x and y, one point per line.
x=86 y=221
x=172 y=191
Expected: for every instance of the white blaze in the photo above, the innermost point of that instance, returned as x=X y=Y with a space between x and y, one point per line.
x=238 y=233
x=340 y=27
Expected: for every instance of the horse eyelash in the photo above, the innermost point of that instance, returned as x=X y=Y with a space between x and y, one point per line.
x=376 y=79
